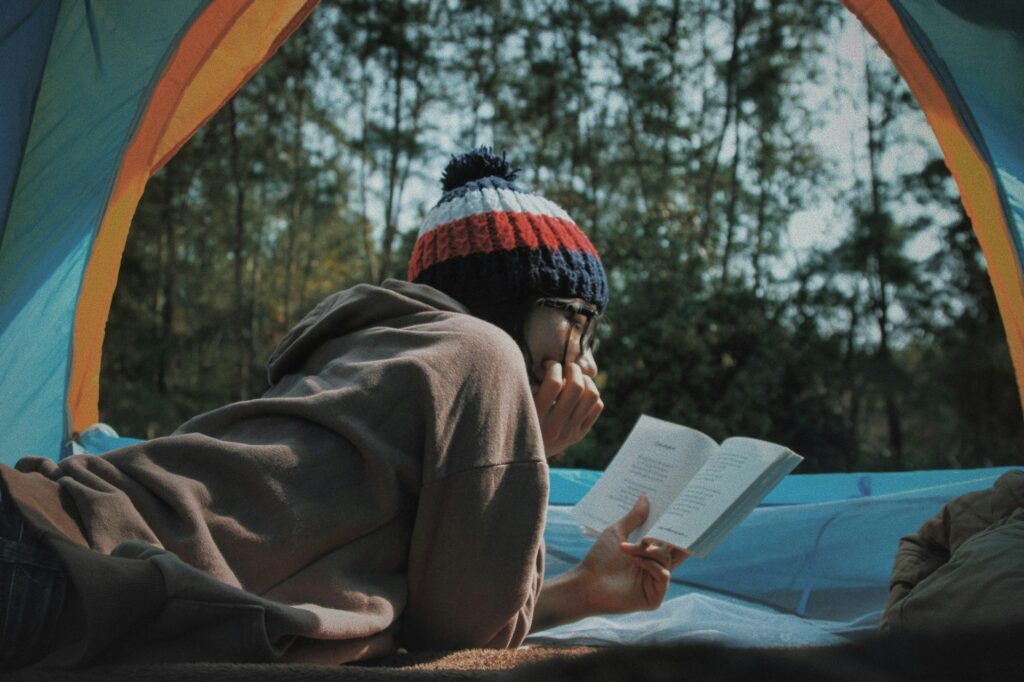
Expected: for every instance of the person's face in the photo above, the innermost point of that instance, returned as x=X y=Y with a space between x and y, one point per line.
x=553 y=332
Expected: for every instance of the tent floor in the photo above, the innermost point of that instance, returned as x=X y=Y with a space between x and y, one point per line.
x=993 y=654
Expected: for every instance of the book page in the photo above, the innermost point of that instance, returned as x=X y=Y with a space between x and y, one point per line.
x=723 y=480
x=657 y=459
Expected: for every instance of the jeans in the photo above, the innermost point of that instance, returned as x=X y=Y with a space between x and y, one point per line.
x=32 y=584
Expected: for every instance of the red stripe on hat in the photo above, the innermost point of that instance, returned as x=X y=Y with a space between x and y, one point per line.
x=496 y=231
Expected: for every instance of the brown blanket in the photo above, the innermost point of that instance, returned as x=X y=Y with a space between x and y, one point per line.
x=965 y=565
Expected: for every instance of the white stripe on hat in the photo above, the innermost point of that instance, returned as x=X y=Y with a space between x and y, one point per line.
x=489 y=200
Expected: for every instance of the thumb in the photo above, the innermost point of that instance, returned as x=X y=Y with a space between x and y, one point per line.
x=635 y=517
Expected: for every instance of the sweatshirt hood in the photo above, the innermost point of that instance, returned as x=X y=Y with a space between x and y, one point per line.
x=344 y=312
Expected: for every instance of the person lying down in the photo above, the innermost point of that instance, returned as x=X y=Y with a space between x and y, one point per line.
x=388 y=490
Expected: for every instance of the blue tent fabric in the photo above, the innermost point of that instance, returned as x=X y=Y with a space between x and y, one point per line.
x=94 y=97
x=813 y=560
x=99 y=70
x=996 y=95
x=100 y=438
x=568 y=486
x=25 y=25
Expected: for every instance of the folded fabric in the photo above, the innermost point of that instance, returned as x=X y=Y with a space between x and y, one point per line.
x=965 y=565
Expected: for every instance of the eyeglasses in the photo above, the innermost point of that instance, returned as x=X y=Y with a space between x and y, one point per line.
x=587 y=329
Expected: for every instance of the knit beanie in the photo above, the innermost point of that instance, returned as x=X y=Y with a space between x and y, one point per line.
x=493 y=246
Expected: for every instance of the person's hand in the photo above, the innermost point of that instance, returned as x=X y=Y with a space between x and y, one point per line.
x=619 y=576
x=567 y=406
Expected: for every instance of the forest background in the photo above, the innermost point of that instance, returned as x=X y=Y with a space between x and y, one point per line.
x=689 y=139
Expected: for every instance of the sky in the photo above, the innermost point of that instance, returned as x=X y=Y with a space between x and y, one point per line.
x=843 y=141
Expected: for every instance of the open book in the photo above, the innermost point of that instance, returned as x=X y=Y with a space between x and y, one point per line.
x=699 y=490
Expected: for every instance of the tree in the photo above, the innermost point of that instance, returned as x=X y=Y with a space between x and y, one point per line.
x=679 y=135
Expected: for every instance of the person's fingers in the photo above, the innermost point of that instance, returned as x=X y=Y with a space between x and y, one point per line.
x=549 y=388
x=677 y=556
x=635 y=517
x=633 y=549
x=565 y=403
x=588 y=422
x=568 y=404
x=658 y=572
x=653 y=551
x=655 y=581
x=584 y=404
x=645 y=547
x=550 y=427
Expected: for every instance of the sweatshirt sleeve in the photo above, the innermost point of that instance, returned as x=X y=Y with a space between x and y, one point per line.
x=476 y=563
x=476 y=557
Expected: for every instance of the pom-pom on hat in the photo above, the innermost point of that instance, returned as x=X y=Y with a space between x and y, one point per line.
x=489 y=243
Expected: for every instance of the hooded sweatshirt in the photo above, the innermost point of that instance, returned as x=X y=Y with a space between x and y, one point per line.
x=389 y=489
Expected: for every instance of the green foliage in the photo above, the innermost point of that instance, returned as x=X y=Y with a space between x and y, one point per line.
x=678 y=134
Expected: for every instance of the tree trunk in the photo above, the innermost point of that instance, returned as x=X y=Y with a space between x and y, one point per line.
x=741 y=15
x=364 y=160
x=298 y=162
x=762 y=206
x=238 y=251
x=253 y=320
x=881 y=285
x=730 y=217
x=632 y=136
x=672 y=41
x=169 y=249
x=852 y=387
x=390 y=226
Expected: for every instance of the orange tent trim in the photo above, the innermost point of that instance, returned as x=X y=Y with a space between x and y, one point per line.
x=226 y=44
x=974 y=177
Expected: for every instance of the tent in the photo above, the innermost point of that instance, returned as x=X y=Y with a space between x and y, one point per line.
x=102 y=94
x=97 y=96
